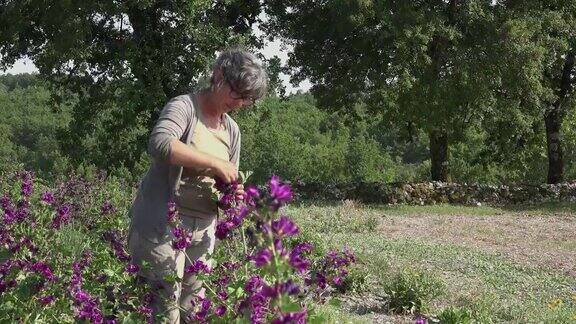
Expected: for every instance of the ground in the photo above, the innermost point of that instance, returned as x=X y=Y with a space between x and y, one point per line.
x=505 y=264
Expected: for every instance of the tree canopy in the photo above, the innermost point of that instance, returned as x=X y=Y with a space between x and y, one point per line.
x=123 y=59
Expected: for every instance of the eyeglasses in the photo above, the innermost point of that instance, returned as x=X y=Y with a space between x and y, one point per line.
x=235 y=94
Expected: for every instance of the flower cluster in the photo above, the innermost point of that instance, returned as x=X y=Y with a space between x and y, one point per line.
x=258 y=274
x=111 y=236
x=63 y=215
x=6 y=268
x=27 y=185
x=331 y=272
x=269 y=288
x=15 y=214
x=87 y=307
x=48 y=198
x=107 y=208
x=281 y=193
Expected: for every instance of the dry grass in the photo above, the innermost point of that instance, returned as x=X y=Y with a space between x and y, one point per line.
x=502 y=264
x=544 y=241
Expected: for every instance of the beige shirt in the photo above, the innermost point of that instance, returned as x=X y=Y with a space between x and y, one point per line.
x=196 y=196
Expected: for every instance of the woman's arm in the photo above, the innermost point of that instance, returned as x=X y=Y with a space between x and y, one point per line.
x=188 y=157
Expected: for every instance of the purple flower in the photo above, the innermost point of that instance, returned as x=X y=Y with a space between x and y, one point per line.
x=112 y=237
x=43 y=269
x=197 y=267
x=303 y=247
x=253 y=285
x=281 y=193
x=252 y=193
x=262 y=258
x=132 y=268
x=338 y=280
x=226 y=199
x=204 y=308
x=87 y=255
x=179 y=245
x=298 y=262
x=178 y=232
x=290 y=288
x=292 y=318
x=48 y=198
x=62 y=217
x=87 y=306
x=26 y=184
x=9 y=215
x=22 y=212
x=284 y=227
x=5 y=202
x=76 y=279
x=258 y=314
x=46 y=300
x=222 y=295
x=421 y=320
x=231 y=265
x=81 y=296
x=223 y=229
x=223 y=281
x=172 y=214
x=107 y=208
x=222 y=186
x=273 y=292
x=183 y=238
x=220 y=310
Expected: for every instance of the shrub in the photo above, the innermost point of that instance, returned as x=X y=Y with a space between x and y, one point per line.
x=454 y=315
x=62 y=256
x=410 y=291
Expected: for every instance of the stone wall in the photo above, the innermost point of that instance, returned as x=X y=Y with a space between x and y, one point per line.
x=437 y=192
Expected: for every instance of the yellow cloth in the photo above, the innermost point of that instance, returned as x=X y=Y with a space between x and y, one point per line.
x=196 y=195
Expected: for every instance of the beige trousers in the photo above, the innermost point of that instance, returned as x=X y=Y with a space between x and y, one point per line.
x=159 y=262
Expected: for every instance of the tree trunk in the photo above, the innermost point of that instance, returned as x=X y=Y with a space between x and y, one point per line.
x=439 y=156
x=553 y=120
x=553 y=123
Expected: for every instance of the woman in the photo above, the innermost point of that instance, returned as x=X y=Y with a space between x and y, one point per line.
x=193 y=142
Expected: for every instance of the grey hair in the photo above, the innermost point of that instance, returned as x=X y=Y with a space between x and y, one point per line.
x=242 y=70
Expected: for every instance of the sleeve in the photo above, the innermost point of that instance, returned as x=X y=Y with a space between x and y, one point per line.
x=234 y=141
x=171 y=124
x=235 y=158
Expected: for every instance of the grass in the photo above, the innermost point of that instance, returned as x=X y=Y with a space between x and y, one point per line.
x=494 y=287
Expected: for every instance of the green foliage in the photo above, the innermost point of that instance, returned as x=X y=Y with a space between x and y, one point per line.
x=29 y=127
x=453 y=315
x=410 y=291
x=415 y=63
x=295 y=140
x=123 y=60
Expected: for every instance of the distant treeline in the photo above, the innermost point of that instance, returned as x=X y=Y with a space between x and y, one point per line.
x=290 y=137
x=464 y=90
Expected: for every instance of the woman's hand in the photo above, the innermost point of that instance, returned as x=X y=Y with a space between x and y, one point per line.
x=225 y=170
x=240 y=192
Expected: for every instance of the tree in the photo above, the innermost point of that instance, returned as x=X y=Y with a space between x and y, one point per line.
x=123 y=59
x=424 y=64
x=541 y=44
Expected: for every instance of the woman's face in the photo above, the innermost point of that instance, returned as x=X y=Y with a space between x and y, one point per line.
x=232 y=99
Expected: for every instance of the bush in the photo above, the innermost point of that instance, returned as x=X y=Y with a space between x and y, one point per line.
x=62 y=256
x=454 y=315
x=410 y=291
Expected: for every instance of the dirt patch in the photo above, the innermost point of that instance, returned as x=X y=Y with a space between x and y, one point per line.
x=375 y=307
x=548 y=241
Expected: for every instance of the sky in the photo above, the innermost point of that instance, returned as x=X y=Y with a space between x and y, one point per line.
x=270 y=49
